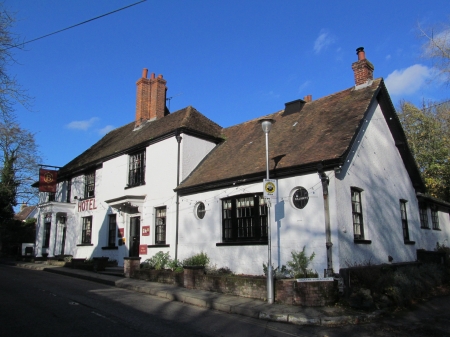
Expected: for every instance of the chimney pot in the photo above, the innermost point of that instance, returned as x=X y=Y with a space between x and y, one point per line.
x=160 y=76
x=361 y=54
x=152 y=76
x=144 y=73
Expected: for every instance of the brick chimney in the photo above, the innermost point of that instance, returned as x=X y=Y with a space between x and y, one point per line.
x=362 y=69
x=307 y=98
x=150 y=98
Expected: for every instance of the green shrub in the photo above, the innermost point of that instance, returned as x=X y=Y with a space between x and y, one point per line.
x=158 y=261
x=299 y=264
x=200 y=259
x=175 y=265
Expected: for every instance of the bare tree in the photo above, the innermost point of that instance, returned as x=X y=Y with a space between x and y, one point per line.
x=18 y=143
x=10 y=91
x=437 y=49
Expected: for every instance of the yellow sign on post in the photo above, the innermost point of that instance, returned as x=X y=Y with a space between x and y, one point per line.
x=270 y=189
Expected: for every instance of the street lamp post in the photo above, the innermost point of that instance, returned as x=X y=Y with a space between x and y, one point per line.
x=266 y=126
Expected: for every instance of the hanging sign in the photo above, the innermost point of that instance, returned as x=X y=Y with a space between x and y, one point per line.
x=47 y=180
x=270 y=189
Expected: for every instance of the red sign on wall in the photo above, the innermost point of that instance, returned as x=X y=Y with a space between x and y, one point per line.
x=121 y=232
x=145 y=230
x=142 y=249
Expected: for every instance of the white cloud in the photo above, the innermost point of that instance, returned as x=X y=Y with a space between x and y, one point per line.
x=82 y=125
x=106 y=129
x=408 y=81
x=323 y=41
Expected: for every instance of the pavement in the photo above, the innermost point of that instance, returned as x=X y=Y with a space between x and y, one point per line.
x=322 y=316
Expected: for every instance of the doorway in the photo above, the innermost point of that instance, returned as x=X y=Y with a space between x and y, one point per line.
x=135 y=236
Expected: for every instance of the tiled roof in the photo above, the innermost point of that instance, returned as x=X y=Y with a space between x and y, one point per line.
x=24 y=213
x=125 y=138
x=321 y=132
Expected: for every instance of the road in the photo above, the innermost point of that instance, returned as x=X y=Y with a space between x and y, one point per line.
x=37 y=303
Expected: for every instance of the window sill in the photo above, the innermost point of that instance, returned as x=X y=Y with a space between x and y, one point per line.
x=242 y=243
x=128 y=187
x=158 y=246
x=85 y=244
x=362 y=241
x=425 y=228
x=110 y=248
x=437 y=229
x=407 y=242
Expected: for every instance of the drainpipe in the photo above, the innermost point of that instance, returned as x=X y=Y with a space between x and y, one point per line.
x=177 y=212
x=326 y=205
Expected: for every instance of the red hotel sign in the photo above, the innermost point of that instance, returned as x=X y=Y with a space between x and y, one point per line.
x=145 y=230
x=142 y=249
x=86 y=205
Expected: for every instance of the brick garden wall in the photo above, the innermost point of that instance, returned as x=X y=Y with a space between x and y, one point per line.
x=309 y=294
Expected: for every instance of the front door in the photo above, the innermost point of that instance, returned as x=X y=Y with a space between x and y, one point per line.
x=135 y=236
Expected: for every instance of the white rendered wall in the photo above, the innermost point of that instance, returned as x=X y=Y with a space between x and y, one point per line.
x=375 y=166
x=193 y=151
x=298 y=228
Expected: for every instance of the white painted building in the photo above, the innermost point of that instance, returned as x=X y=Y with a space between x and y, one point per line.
x=348 y=187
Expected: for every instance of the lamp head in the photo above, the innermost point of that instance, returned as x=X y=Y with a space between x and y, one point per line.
x=266 y=124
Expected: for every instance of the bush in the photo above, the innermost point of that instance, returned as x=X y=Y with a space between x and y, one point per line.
x=159 y=261
x=175 y=265
x=200 y=259
x=299 y=264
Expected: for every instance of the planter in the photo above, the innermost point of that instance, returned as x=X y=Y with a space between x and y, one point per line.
x=190 y=272
x=100 y=263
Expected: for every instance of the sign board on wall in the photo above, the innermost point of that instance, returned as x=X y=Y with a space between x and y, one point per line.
x=145 y=230
x=142 y=249
x=120 y=232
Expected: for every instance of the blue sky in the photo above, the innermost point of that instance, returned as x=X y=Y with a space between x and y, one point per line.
x=232 y=60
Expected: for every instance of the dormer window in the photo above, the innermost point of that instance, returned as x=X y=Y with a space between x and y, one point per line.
x=136 y=171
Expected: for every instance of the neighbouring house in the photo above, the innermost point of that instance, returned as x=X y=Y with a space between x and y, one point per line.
x=348 y=188
x=26 y=212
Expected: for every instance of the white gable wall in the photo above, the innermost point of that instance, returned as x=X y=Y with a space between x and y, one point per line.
x=376 y=167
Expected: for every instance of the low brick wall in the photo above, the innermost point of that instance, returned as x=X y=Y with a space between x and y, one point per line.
x=308 y=294
x=252 y=287
x=161 y=276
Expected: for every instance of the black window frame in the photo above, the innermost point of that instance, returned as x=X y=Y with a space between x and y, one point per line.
x=89 y=185
x=112 y=230
x=69 y=190
x=244 y=218
x=423 y=215
x=357 y=213
x=47 y=229
x=51 y=196
x=160 y=225
x=86 y=230
x=136 y=168
x=435 y=218
x=404 y=219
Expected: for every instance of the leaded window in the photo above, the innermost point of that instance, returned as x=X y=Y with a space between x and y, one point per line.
x=244 y=218
x=136 y=169
x=435 y=218
x=160 y=225
x=86 y=230
x=89 y=185
x=358 y=223
x=112 y=226
x=404 y=217
x=423 y=213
